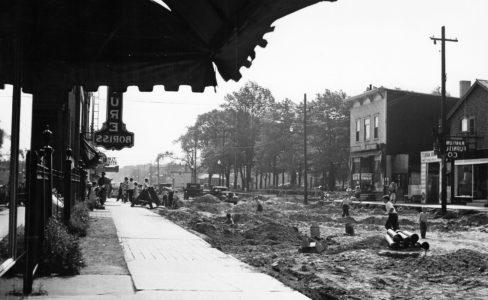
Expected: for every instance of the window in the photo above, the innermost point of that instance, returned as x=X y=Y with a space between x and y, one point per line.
x=376 y=126
x=358 y=129
x=471 y=125
x=367 y=128
x=467 y=125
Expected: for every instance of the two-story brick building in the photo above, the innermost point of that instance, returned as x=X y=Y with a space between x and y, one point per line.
x=388 y=129
x=468 y=174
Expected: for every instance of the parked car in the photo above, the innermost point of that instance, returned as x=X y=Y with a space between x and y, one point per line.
x=223 y=193
x=192 y=190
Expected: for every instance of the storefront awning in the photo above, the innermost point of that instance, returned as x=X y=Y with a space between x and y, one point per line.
x=60 y=43
x=90 y=155
x=476 y=161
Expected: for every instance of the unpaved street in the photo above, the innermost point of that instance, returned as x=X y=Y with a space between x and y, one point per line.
x=455 y=267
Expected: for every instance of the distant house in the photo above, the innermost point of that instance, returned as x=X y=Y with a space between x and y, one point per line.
x=467 y=174
x=388 y=130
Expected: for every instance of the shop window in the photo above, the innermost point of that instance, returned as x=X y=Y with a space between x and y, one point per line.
x=464 y=176
x=367 y=129
x=376 y=126
x=358 y=129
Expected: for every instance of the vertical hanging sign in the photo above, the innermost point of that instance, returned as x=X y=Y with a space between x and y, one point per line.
x=114 y=135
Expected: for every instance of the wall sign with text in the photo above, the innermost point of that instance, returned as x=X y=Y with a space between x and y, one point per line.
x=114 y=135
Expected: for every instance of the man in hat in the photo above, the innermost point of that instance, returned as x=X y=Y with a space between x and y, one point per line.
x=392 y=222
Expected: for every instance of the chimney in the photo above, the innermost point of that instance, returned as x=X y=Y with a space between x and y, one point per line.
x=464 y=86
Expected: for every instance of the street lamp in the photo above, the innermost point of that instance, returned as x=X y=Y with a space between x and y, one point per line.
x=220 y=171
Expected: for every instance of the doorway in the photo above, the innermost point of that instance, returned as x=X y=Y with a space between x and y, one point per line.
x=433 y=183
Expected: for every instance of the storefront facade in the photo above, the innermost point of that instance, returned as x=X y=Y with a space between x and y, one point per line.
x=382 y=148
x=467 y=173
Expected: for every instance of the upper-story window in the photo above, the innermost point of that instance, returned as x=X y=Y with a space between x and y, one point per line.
x=358 y=129
x=376 y=124
x=468 y=125
x=367 y=129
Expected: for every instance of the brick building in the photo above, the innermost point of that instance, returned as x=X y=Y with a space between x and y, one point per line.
x=467 y=175
x=388 y=130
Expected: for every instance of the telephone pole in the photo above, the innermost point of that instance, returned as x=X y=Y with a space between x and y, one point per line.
x=443 y=134
x=305 y=163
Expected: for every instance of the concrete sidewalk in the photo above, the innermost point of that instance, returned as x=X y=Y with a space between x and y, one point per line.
x=416 y=205
x=168 y=262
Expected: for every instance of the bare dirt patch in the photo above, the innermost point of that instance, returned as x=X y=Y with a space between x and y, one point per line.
x=350 y=267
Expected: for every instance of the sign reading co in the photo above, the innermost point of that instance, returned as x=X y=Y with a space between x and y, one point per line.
x=454 y=148
x=114 y=135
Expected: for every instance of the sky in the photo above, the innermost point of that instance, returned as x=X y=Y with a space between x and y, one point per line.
x=345 y=45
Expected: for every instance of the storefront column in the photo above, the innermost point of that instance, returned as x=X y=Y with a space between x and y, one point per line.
x=14 y=169
x=48 y=109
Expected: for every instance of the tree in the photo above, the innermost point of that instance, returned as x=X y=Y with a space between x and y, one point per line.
x=438 y=92
x=249 y=104
x=329 y=137
x=189 y=145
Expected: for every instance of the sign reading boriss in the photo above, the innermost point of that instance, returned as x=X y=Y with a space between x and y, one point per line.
x=114 y=135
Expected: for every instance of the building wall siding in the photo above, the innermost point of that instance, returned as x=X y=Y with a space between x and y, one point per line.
x=475 y=105
x=377 y=106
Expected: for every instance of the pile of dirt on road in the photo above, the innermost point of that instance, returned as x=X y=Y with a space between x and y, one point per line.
x=208 y=198
x=355 y=243
x=477 y=219
x=181 y=214
x=463 y=262
x=273 y=233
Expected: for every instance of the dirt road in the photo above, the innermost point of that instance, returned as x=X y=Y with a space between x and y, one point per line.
x=455 y=267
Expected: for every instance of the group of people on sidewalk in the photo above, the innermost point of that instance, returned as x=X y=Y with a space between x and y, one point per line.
x=392 y=221
x=144 y=194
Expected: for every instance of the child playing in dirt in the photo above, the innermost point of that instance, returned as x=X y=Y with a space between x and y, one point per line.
x=259 y=207
x=423 y=222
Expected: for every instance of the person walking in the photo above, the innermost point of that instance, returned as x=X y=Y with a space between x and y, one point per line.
x=147 y=195
x=120 y=192
x=130 y=190
x=392 y=222
x=125 y=187
x=346 y=204
x=423 y=216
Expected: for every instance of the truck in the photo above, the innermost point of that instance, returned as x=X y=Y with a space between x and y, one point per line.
x=192 y=190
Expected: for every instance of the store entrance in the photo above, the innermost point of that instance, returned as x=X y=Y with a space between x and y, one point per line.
x=433 y=183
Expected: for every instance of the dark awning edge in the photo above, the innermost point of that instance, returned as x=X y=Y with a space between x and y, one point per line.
x=121 y=43
x=90 y=155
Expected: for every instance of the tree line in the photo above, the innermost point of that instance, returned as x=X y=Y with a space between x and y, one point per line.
x=257 y=138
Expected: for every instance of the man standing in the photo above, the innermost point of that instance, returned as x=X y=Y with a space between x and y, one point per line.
x=125 y=187
x=130 y=190
x=392 y=189
x=103 y=190
x=147 y=195
x=392 y=222
x=346 y=203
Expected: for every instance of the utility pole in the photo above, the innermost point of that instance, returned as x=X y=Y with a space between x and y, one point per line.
x=195 y=157
x=305 y=162
x=443 y=134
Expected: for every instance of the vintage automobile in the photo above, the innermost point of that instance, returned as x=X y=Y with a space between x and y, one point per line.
x=223 y=193
x=192 y=190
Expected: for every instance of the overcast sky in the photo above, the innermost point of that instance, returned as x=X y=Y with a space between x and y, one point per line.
x=345 y=45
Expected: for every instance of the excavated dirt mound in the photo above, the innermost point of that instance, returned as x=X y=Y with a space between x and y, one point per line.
x=273 y=233
x=370 y=242
x=478 y=219
x=206 y=199
x=462 y=262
